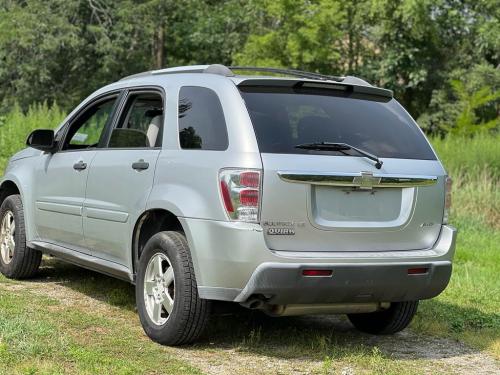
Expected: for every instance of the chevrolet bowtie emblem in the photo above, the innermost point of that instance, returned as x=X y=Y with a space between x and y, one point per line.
x=366 y=180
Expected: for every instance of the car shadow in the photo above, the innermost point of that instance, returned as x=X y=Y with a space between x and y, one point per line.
x=95 y=285
x=307 y=337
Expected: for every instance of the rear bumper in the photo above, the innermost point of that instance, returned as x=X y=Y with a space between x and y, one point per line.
x=233 y=263
x=283 y=284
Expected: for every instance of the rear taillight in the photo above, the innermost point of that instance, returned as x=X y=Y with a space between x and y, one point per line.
x=240 y=192
x=447 y=199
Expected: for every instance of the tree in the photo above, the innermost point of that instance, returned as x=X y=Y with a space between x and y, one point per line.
x=62 y=50
x=296 y=34
x=41 y=53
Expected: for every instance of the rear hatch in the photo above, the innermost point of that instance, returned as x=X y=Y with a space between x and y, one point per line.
x=335 y=199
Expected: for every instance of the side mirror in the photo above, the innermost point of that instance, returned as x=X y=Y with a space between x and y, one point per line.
x=41 y=139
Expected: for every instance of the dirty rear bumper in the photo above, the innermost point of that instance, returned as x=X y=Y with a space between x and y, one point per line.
x=285 y=284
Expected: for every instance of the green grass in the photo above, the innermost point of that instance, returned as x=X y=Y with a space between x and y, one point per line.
x=474 y=165
x=94 y=328
x=42 y=335
x=469 y=309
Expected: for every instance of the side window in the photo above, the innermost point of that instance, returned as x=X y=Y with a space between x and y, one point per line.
x=86 y=131
x=141 y=122
x=201 y=120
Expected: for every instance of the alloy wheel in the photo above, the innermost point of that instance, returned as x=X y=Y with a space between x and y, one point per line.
x=7 y=237
x=159 y=288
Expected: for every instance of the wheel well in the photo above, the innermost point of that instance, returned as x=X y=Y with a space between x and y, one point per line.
x=150 y=223
x=7 y=188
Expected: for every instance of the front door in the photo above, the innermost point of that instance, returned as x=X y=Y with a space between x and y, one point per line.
x=121 y=177
x=61 y=177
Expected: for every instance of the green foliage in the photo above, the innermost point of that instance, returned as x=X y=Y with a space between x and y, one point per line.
x=408 y=46
x=470 y=95
x=62 y=50
x=15 y=127
x=466 y=122
x=296 y=34
x=43 y=55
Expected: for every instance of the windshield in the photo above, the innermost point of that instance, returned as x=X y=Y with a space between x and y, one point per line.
x=286 y=117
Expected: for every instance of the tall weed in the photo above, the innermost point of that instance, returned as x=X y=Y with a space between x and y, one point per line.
x=474 y=165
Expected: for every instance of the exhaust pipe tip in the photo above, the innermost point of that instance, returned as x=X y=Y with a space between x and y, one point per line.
x=253 y=303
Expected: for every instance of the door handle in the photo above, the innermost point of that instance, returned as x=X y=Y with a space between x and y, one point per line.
x=80 y=165
x=140 y=165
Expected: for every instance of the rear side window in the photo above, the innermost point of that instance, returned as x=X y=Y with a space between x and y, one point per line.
x=141 y=123
x=201 y=120
x=286 y=117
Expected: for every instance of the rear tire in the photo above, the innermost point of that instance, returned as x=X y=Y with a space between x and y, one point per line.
x=17 y=260
x=396 y=318
x=173 y=288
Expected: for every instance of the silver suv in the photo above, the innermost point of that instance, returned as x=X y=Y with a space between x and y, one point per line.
x=292 y=193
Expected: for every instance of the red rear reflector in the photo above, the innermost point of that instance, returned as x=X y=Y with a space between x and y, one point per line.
x=417 y=271
x=250 y=179
x=317 y=272
x=226 y=197
x=249 y=197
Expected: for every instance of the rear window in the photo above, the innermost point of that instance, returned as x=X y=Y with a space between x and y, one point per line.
x=286 y=117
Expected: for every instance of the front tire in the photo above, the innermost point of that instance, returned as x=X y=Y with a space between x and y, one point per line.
x=170 y=310
x=17 y=260
x=396 y=318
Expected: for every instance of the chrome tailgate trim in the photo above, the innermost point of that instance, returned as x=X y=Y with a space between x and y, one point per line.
x=362 y=180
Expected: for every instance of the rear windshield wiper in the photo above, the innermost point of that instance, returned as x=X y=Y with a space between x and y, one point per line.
x=332 y=146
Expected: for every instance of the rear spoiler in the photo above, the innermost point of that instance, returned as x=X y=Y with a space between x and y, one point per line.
x=267 y=84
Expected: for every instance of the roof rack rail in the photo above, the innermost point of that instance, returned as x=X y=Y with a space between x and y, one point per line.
x=137 y=75
x=214 y=69
x=228 y=72
x=293 y=72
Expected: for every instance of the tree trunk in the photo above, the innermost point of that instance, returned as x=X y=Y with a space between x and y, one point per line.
x=159 y=47
x=350 y=36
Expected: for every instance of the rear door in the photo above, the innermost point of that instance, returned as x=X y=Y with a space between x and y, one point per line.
x=121 y=176
x=320 y=201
